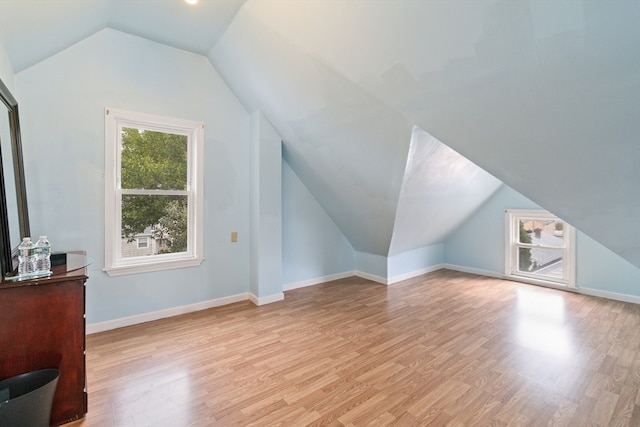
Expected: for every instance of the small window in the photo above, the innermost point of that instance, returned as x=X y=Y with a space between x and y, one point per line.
x=539 y=247
x=153 y=190
x=143 y=242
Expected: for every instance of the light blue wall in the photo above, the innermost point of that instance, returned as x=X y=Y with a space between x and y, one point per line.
x=601 y=269
x=372 y=264
x=312 y=245
x=6 y=71
x=7 y=76
x=415 y=260
x=479 y=244
x=62 y=101
x=266 y=208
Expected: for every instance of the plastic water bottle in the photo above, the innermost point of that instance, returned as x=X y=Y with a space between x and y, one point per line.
x=26 y=257
x=43 y=255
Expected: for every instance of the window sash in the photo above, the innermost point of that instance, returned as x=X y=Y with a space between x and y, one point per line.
x=118 y=226
x=155 y=128
x=531 y=245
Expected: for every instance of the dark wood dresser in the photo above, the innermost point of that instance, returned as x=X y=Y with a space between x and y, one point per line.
x=42 y=325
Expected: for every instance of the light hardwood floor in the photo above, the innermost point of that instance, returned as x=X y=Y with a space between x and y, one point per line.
x=442 y=349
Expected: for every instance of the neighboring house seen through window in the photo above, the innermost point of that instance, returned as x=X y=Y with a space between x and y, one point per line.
x=143 y=242
x=153 y=191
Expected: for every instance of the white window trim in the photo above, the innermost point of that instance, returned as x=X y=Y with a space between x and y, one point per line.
x=114 y=263
x=511 y=249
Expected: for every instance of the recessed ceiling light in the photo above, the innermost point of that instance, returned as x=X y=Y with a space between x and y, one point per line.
x=191 y=1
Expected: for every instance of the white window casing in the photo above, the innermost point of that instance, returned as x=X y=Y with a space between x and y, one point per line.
x=115 y=120
x=513 y=245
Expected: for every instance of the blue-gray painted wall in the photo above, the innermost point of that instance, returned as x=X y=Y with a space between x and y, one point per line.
x=479 y=244
x=63 y=134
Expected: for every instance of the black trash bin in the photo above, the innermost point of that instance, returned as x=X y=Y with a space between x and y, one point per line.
x=26 y=399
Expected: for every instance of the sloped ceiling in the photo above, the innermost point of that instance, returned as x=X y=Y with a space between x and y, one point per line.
x=33 y=30
x=544 y=96
x=439 y=191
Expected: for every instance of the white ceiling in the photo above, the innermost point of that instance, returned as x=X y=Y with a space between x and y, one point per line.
x=544 y=95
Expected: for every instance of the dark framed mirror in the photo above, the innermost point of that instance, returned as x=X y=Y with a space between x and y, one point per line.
x=14 y=213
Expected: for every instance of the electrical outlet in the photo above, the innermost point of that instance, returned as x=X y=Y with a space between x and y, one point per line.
x=234 y=236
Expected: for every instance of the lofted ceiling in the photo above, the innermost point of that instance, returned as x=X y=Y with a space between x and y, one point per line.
x=544 y=96
x=33 y=30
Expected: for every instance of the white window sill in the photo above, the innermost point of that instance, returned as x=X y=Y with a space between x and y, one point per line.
x=148 y=267
x=540 y=282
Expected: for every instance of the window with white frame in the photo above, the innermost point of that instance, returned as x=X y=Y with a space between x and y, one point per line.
x=539 y=247
x=153 y=190
x=143 y=242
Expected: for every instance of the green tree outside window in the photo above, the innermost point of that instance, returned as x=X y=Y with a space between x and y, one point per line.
x=153 y=160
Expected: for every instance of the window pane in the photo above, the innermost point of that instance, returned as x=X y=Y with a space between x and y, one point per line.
x=163 y=219
x=524 y=259
x=153 y=160
x=545 y=262
x=525 y=230
x=541 y=232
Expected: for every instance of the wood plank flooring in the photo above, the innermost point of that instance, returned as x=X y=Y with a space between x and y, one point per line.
x=442 y=349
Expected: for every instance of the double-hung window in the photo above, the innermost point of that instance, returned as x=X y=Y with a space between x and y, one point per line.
x=539 y=247
x=153 y=191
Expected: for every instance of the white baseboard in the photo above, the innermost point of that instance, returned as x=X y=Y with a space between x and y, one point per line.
x=371 y=277
x=585 y=291
x=266 y=300
x=93 y=328
x=472 y=270
x=364 y=275
x=317 y=280
x=325 y=279
x=415 y=273
x=609 y=295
